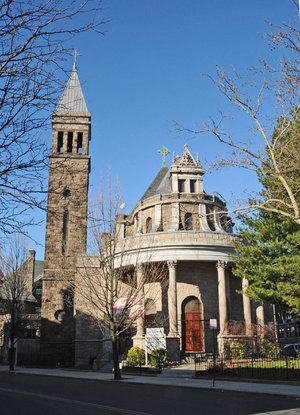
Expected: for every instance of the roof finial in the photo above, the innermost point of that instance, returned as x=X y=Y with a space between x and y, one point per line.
x=76 y=54
x=163 y=152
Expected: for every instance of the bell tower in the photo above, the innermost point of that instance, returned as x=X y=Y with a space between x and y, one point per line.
x=66 y=229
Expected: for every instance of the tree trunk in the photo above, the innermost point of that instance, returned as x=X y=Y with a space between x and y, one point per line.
x=117 y=371
x=11 y=357
x=12 y=349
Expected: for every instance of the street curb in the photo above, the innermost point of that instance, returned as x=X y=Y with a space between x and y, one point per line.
x=164 y=381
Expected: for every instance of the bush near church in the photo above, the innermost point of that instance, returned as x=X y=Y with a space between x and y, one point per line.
x=159 y=358
x=237 y=350
x=269 y=348
x=136 y=356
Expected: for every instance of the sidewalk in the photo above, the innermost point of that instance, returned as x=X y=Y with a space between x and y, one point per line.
x=180 y=376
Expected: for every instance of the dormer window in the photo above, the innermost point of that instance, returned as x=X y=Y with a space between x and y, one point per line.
x=192 y=186
x=148 y=225
x=181 y=185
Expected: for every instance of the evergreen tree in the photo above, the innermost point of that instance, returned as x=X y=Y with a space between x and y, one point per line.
x=269 y=257
x=269 y=254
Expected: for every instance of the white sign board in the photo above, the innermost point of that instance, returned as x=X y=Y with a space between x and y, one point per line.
x=213 y=324
x=155 y=339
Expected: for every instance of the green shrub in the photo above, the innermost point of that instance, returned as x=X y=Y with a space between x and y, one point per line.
x=237 y=350
x=159 y=358
x=269 y=348
x=136 y=356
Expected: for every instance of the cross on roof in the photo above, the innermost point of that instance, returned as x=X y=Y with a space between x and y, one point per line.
x=76 y=54
x=163 y=152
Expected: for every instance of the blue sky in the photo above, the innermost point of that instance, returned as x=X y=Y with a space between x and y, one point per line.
x=145 y=73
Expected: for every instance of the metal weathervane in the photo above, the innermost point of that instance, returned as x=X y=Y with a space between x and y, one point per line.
x=164 y=152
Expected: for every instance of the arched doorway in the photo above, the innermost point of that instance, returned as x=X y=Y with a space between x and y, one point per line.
x=192 y=325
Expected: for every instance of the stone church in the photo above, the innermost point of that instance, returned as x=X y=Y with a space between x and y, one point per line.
x=183 y=227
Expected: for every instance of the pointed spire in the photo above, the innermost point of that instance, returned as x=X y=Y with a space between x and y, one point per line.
x=72 y=99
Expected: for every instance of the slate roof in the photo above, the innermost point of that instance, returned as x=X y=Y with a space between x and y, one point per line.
x=160 y=185
x=38 y=270
x=72 y=99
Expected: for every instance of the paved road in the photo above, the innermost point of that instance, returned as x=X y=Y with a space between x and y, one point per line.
x=29 y=394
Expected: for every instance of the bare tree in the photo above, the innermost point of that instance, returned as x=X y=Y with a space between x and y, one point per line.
x=15 y=292
x=269 y=98
x=112 y=284
x=35 y=40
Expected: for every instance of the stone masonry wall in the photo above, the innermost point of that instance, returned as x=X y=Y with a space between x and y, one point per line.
x=65 y=236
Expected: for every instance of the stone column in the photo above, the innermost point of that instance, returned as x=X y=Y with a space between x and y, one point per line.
x=174 y=183
x=260 y=319
x=221 y=265
x=247 y=307
x=140 y=320
x=172 y=299
x=172 y=340
x=65 y=141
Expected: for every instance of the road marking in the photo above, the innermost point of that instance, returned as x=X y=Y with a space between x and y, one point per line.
x=72 y=401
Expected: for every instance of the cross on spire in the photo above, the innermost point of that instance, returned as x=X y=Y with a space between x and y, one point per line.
x=75 y=54
x=163 y=152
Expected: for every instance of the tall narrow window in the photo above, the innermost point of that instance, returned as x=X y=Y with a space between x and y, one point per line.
x=148 y=225
x=181 y=186
x=192 y=186
x=79 y=143
x=65 y=232
x=60 y=141
x=70 y=142
x=188 y=221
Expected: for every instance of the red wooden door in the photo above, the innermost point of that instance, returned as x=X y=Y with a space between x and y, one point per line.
x=193 y=332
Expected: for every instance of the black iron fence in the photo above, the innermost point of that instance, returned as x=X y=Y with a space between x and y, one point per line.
x=273 y=367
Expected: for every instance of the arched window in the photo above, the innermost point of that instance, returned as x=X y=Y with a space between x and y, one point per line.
x=65 y=232
x=150 y=307
x=148 y=225
x=188 y=221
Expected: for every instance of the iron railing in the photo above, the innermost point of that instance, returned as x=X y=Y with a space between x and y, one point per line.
x=256 y=367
